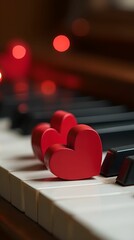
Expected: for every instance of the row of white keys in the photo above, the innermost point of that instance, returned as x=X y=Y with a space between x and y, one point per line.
x=33 y=187
x=101 y=216
x=17 y=166
x=60 y=204
x=15 y=155
x=115 y=223
x=67 y=209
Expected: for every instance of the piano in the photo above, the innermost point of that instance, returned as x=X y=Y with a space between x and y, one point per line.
x=34 y=203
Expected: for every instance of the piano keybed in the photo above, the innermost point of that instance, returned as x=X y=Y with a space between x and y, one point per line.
x=96 y=208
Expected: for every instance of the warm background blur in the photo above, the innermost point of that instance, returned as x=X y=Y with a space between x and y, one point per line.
x=109 y=20
x=30 y=20
x=101 y=33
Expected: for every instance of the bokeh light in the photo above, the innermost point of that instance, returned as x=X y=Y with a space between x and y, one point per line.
x=0 y=76
x=61 y=43
x=23 y=108
x=18 y=51
x=48 y=87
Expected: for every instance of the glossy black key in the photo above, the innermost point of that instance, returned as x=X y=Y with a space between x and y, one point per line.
x=112 y=134
x=111 y=115
x=79 y=106
x=116 y=134
x=46 y=114
x=12 y=102
x=114 y=158
x=126 y=173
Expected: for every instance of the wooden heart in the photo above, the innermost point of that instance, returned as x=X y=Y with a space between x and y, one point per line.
x=45 y=135
x=80 y=159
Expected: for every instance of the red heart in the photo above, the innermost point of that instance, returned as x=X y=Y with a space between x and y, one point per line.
x=45 y=135
x=81 y=158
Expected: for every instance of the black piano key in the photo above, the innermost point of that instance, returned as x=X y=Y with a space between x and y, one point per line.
x=39 y=113
x=20 y=117
x=116 y=134
x=95 y=111
x=114 y=129
x=110 y=114
x=74 y=104
x=112 y=134
x=11 y=100
x=80 y=105
x=111 y=137
x=126 y=173
x=116 y=137
x=100 y=114
x=9 y=103
x=46 y=115
x=114 y=158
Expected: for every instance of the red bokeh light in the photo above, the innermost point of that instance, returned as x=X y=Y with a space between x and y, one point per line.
x=23 y=108
x=15 y=62
x=0 y=76
x=19 y=51
x=61 y=43
x=48 y=87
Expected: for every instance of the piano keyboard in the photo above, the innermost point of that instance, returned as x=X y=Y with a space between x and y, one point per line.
x=96 y=208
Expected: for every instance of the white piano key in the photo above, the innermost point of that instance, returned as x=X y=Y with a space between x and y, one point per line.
x=4 y=184
x=47 y=198
x=4 y=124
x=16 y=182
x=9 y=138
x=14 y=159
x=12 y=143
x=113 y=223
x=5 y=175
x=65 y=209
x=32 y=188
x=7 y=142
